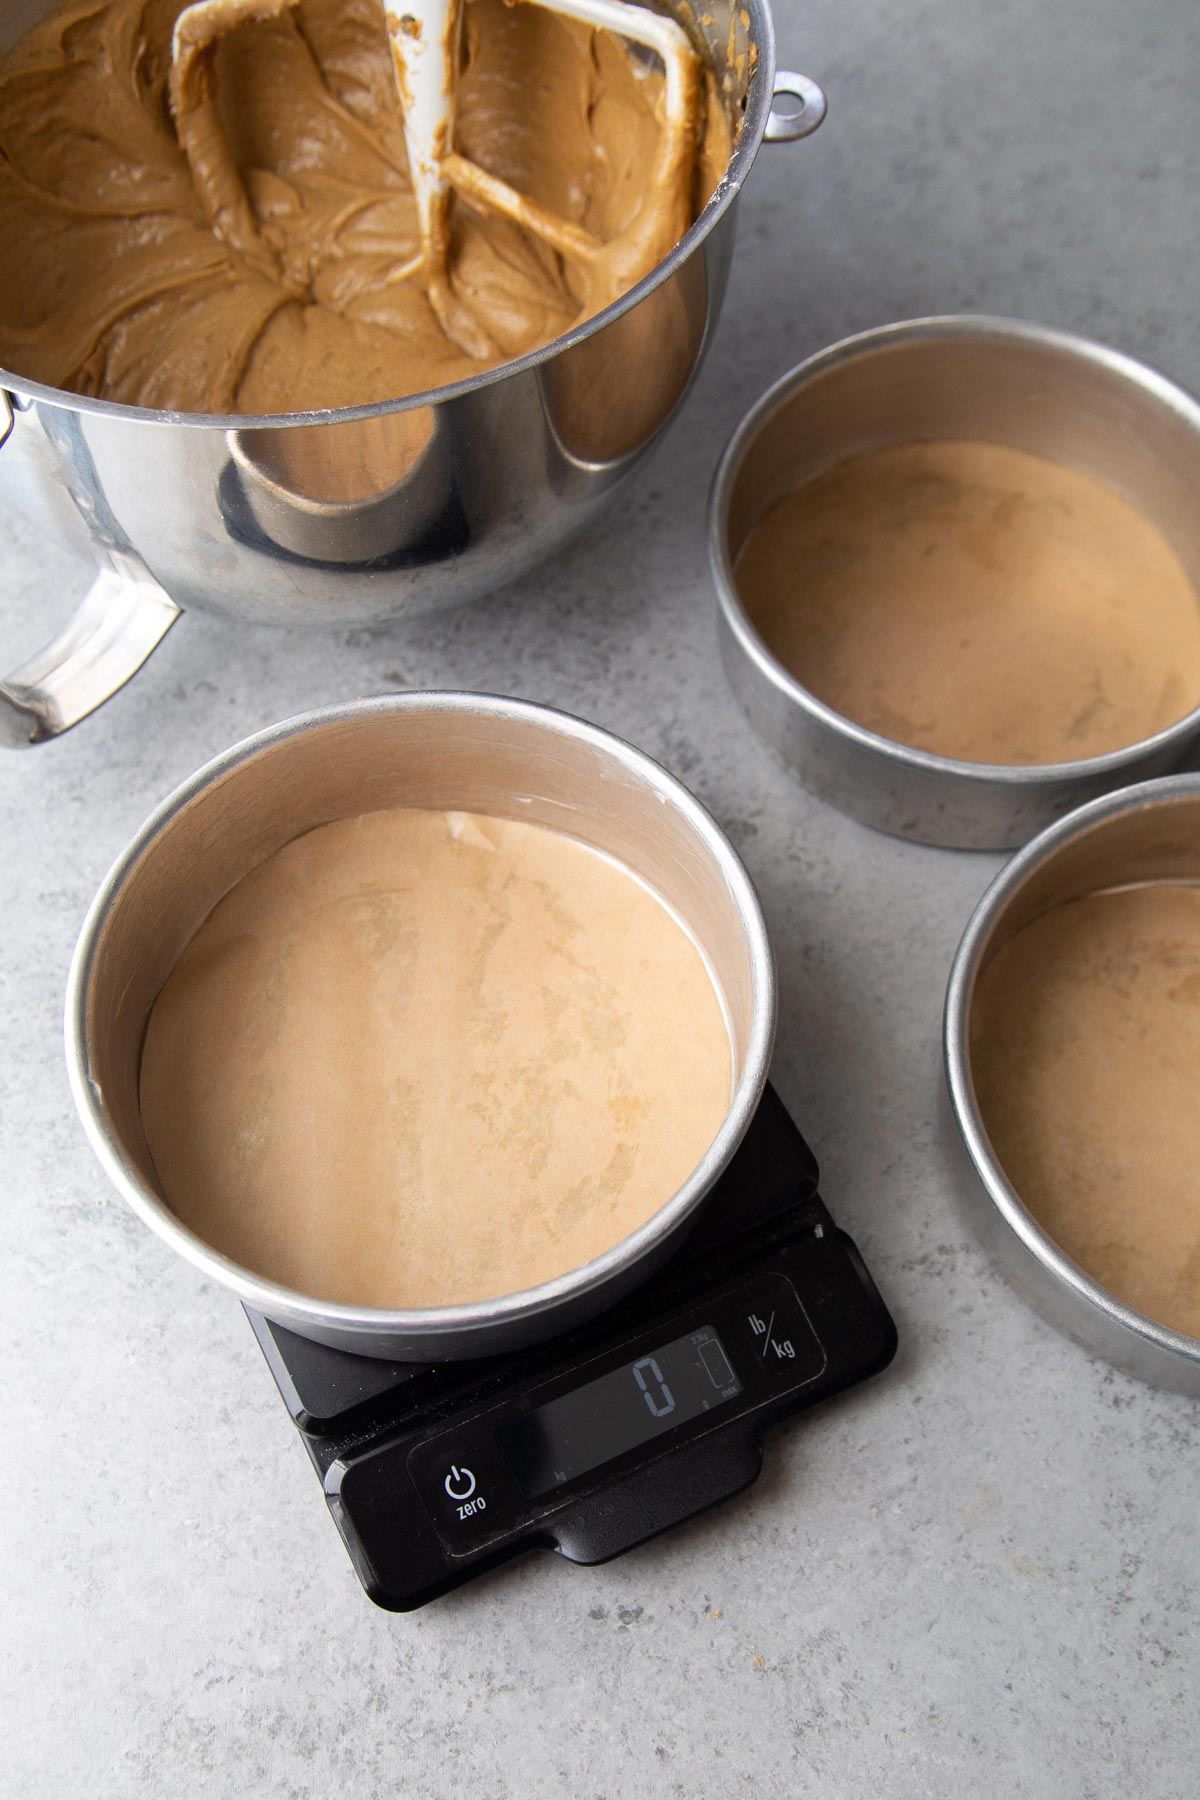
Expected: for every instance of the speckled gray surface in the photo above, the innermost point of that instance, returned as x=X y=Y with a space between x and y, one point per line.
x=980 y=1573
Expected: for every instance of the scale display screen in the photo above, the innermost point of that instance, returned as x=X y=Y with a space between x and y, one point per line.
x=616 y=1412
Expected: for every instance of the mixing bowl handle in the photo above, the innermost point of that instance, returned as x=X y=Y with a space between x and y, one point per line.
x=123 y=616
x=787 y=123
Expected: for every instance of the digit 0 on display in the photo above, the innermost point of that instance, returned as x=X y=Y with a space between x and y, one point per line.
x=662 y=1403
x=588 y=1427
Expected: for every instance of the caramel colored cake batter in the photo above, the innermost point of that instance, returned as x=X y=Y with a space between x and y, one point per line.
x=116 y=285
x=417 y=1058
x=976 y=601
x=1085 y=1047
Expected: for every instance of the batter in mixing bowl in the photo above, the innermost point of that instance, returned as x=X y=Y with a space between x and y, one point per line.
x=118 y=288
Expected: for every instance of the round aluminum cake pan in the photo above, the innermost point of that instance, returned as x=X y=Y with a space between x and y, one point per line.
x=993 y=380
x=468 y=752
x=1149 y=833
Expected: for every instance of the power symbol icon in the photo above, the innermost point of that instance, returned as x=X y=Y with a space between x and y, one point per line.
x=460 y=1483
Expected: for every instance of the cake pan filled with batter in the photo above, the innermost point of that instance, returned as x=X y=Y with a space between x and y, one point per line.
x=1072 y=1041
x=426 y=1023
x=958 y=566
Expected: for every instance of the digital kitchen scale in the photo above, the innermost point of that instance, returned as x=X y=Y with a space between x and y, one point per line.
x=598 y=1439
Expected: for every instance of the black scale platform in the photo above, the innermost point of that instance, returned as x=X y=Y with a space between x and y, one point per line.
x=597 y=1440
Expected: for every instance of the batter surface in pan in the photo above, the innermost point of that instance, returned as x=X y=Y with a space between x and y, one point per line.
x=1085 y=1044
x=417 y=1058
x=977 y=601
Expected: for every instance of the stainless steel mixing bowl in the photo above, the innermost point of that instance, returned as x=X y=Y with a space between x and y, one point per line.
x=453 y=751
x=270 y=520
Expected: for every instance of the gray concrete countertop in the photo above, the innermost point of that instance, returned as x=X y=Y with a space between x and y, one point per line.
x=976 y=1575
